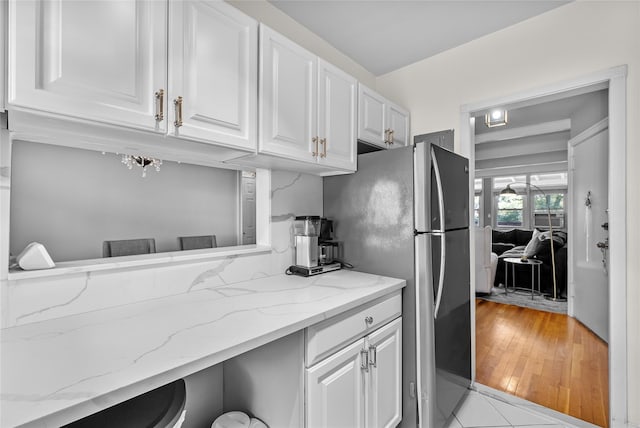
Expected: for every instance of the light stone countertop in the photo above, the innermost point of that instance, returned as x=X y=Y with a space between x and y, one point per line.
x=60 y=370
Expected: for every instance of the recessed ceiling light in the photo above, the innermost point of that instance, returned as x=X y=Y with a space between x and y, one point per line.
x=495 y=118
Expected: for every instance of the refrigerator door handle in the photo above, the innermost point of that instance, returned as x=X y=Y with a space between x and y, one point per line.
x=440 y=277
x=443 y=244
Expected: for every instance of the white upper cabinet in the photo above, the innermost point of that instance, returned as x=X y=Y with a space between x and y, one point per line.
x=371 y=117
x=398 y=126
x=288 y=98
x=213 y=73
x=381 y=122
x=186 y=69
x=98 y=60
x=307 y=108
x=337 y=98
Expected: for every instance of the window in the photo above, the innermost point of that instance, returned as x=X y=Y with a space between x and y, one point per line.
x=555 y=202
x=510 y=210
x=476 y=210
x=528 y=208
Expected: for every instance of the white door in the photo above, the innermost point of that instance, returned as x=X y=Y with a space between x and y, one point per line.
x=337 y=92
x=213 y=67
x=3 y=47
x=99 y=60
x=590 y=278
x=335 y=390
x=288 y=90
x=384 y=405
x=398 y=124
x=248 y=184
x=371 y=117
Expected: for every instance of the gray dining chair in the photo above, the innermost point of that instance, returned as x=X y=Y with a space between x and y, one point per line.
x=128 y=247
x=197 y=242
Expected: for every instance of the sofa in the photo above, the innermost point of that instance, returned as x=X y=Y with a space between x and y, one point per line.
x=533 y=244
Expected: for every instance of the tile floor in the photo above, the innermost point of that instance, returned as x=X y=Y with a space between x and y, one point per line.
x=487 y=408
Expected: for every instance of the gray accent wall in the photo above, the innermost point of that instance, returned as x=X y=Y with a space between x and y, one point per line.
x=71 y=200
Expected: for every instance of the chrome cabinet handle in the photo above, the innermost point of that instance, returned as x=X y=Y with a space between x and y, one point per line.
x=369 y=320
x=323 y=143
x=386 y=135
x=159 y=96
x=364 y=357
x=391 y=131
x=315 y=154
x=178 y=106
x=373 y=356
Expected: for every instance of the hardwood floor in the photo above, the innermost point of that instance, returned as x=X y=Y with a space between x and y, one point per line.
x=547 y=358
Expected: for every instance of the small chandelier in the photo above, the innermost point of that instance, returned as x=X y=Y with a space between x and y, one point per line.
x=141 y=161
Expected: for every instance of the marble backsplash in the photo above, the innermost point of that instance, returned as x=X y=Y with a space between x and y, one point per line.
x=38 y=299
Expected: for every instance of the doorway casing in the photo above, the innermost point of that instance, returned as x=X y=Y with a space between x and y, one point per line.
x=616 y=80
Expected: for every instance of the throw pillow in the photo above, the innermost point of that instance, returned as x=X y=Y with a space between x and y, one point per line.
x=532 y=245
x=501 y=247
x=543 y=249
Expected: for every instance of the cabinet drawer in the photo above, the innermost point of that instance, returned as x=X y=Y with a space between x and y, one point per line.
x=328 y=336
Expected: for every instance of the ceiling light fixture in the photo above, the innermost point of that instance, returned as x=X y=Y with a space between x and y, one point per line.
x=496 y=118
x=141 y=161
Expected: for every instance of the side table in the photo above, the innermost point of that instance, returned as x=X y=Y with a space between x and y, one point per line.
x=513 y=261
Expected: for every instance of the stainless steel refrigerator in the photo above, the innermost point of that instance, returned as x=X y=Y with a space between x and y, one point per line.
x=405 y=213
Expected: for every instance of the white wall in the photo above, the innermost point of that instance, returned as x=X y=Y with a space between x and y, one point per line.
x=273 y=17
x=590 y=113
x=568 y=42
x=71 y=200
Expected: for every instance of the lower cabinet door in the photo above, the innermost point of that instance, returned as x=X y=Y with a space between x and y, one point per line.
x=336 y=390
x=384 y=392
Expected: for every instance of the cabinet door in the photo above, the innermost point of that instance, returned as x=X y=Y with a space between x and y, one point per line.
x=100 y=60
x=336 y=116
x=384 y=405
x=213 y=66
x=398 y=123
x=371 y=116
x=288 y=90
x=335 y=390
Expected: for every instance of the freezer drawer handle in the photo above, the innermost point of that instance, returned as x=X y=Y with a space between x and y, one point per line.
x=443 y=244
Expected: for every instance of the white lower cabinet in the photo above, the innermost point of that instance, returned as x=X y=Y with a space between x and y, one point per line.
x=336 y=389
x=360 y=384
x=385 y=374
x=343 y=372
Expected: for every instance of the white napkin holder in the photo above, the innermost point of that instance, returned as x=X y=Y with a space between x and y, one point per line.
x=35 y=256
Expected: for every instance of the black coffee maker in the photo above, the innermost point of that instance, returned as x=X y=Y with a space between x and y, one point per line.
x=327 y=247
